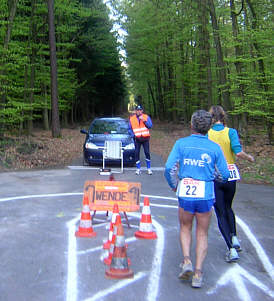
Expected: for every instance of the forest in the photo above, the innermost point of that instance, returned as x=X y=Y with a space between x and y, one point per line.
x=188 y=54
x=89 y=79
x=180 y=55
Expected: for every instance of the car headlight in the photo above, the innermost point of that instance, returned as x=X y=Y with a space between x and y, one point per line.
x=130 y=146
x=90 y=145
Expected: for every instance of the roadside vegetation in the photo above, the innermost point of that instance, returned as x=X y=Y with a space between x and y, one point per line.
x=41 y=151
x=178 y=56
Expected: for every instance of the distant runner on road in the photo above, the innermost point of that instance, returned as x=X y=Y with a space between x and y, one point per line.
x=228 y=140
x=198 y=161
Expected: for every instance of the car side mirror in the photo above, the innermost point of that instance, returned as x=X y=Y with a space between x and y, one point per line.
x=84 y=132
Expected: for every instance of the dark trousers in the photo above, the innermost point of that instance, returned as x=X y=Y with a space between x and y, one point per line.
x=138 y=143
x=224 y=194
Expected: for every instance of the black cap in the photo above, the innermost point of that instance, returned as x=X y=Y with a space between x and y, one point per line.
x=139 y=107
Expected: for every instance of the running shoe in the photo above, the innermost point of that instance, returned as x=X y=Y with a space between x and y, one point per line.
x=149 y=171
x=236 y=244
x=232 y=255
x=187 y=271
x=138 y=171
x=197 y=281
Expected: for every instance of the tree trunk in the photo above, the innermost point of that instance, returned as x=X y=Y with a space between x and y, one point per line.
x=45 y=110
x=153 y=99
x=224 y=86
x=159 y=91
x=12 y=12
x=205 y=77
x=32 y=39
x=263 y=81
x=239 y=69
x=55 y=124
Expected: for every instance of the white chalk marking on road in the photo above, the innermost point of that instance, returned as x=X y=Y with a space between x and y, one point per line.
x=39 y=196
x=154 y=279
x=258 y=248
x=155 y=273
x=32 y=196
x=72 y=256
x=79 y=167
x=159 y=197
x=235 y=275
x=121 y=284
x=71 y=290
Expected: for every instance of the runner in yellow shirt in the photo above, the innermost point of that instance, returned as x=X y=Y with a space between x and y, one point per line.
x=229 y=141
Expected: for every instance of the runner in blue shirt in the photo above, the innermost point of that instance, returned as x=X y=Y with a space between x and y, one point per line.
x=198 y=162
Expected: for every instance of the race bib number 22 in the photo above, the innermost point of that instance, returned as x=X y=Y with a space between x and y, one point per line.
x=190 y=188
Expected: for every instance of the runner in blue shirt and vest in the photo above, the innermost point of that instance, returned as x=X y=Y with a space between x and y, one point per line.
x=197 y=161
x=228 y=140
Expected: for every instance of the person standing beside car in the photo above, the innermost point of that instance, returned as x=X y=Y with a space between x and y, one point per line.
x=229 y=142
x=140 y=124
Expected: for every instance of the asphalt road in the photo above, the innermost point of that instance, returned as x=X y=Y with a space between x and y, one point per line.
x=41 y=259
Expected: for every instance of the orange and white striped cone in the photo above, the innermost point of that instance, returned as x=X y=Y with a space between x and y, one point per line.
x=119 y=263
x=145 y=228
x=115 y=212
x=108 y=259
x=85 y=226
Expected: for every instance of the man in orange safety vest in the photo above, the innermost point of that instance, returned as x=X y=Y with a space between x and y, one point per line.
x=140 y=124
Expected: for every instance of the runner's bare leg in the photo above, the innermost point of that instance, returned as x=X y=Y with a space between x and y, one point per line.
x=203 y=221
x=186 y=220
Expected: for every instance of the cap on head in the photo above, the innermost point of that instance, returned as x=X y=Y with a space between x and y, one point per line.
x=139 y=107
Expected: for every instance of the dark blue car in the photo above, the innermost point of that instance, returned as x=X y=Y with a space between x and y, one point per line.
x=102 y=129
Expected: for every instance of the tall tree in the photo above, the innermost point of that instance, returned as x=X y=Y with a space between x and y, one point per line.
x=55 y=126
x=222 y=72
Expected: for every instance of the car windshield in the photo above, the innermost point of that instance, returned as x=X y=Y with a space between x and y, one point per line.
x=109 y=127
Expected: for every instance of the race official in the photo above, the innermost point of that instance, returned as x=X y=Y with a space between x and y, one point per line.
x=195 y=161
x=140 y=124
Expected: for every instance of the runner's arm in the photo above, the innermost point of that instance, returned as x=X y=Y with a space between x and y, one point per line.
x=148 y=123
x=244 y=155
x=236 y=146
x=171 y=167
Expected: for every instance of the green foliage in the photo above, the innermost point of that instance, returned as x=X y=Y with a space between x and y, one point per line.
x=167 y=62
x=89 y=71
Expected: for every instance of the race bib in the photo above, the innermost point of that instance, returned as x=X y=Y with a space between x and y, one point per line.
x=190 y=188
x=234 y=172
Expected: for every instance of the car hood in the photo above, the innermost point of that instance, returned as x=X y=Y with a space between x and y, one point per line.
x=100 y=139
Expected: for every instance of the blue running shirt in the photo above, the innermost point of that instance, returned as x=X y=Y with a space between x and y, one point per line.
x=198 y=158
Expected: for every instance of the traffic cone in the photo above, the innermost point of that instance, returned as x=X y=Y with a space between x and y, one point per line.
x=145 y=228
x=108 y=259
x=119 y=263
x=85 y=226
x=115 y=212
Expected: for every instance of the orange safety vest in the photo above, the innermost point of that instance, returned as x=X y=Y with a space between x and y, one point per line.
x=139 y=129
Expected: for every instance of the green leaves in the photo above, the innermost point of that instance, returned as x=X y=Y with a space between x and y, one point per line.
x=89 y=70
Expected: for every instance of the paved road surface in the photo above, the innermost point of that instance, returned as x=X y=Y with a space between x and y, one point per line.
x=41 y=259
